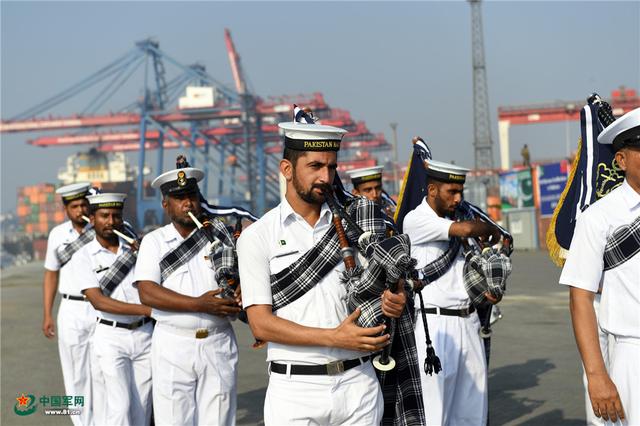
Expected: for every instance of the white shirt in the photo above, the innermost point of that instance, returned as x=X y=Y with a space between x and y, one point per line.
x=274 y=242
x=60 y=235
x=429 y=235
x=194 y=278
x=620 y=302
x=91 y=262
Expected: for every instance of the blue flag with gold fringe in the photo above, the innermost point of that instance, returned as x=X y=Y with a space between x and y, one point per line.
x=414 y=183
x=594 y=174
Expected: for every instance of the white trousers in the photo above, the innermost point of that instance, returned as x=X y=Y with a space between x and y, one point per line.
x=194 y=380
x=624 y=370
x=457 y=396
x=75 y=323
x=124 y=362
x=351 y=398
x=592 y=419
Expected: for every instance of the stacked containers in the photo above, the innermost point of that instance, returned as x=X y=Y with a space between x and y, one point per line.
x=39 y=209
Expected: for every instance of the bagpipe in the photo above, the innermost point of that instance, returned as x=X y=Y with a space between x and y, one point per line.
x=594 y=173
x=222 y=249
x=387 y=264
x=388 y=260
x=486 y=267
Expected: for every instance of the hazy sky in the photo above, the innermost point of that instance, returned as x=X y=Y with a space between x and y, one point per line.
x=403 y=62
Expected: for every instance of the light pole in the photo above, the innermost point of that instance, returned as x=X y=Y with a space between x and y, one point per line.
x=394 y=127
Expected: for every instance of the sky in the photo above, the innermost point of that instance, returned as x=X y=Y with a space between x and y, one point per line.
x=404 y=62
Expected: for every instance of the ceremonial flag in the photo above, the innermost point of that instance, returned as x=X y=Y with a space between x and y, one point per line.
x=594 y=174
x=414 y=183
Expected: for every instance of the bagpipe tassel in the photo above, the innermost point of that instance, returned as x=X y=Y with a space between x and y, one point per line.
x=431 y=362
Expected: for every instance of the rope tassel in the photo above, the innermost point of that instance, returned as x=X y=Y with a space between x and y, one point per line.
x=431 y=362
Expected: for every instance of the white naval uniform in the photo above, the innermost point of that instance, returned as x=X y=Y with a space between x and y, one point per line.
x=75 y=325
x=194 y=380
x=619 y=313
x=123 y=356
x=272 y=243
x=456 y=396
x=603 y=337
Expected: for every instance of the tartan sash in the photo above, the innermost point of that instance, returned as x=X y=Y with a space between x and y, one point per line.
x=66 y=252
x=441 y=265
x=622 y=245
x=302 y=275
x=117 y=271
x=183 y=253
x=294 y=281
x=120 y=267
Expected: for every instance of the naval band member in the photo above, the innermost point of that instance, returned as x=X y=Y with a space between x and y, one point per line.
x=194 y=354
x=76 y=318
x=122 y=337
x=319 y=359
x=604 y=253
x=457 y=395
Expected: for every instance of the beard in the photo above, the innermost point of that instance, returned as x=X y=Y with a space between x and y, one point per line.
x=79 y=222
x=308 y=196
x=107 y=234
x=184 y=220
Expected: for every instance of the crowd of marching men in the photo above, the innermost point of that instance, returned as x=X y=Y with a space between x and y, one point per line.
x=371 y=312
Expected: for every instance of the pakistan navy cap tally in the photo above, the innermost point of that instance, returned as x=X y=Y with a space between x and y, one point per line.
x=445 y=172
x=365 y=174
x=303 y=134
x=106 y=200
x=178 y=181
x=623 y=132
x=74 y=191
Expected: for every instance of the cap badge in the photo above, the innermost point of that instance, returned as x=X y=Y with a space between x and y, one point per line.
x=182 y=178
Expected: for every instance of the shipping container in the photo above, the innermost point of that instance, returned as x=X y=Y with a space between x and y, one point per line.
x=39 y=248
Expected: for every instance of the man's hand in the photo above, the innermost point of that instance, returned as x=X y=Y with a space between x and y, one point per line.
x=348 y=335
x=490 y=233
x=237 y=295
x=491 y=298
x=393 y=303
x=604 y=397
x=48 y=327
x=211 y=304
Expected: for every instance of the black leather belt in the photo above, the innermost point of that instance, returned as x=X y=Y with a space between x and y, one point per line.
x=330 y=369
x=72 y=297
x=452 y=312
x=131 y=326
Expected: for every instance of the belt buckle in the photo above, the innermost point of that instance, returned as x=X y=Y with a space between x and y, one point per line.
x=465 y=312
x=202 y=333
x=335 y=367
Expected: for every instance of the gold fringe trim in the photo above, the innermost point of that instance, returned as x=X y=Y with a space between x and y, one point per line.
x=558 y=254
x=402 y=187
